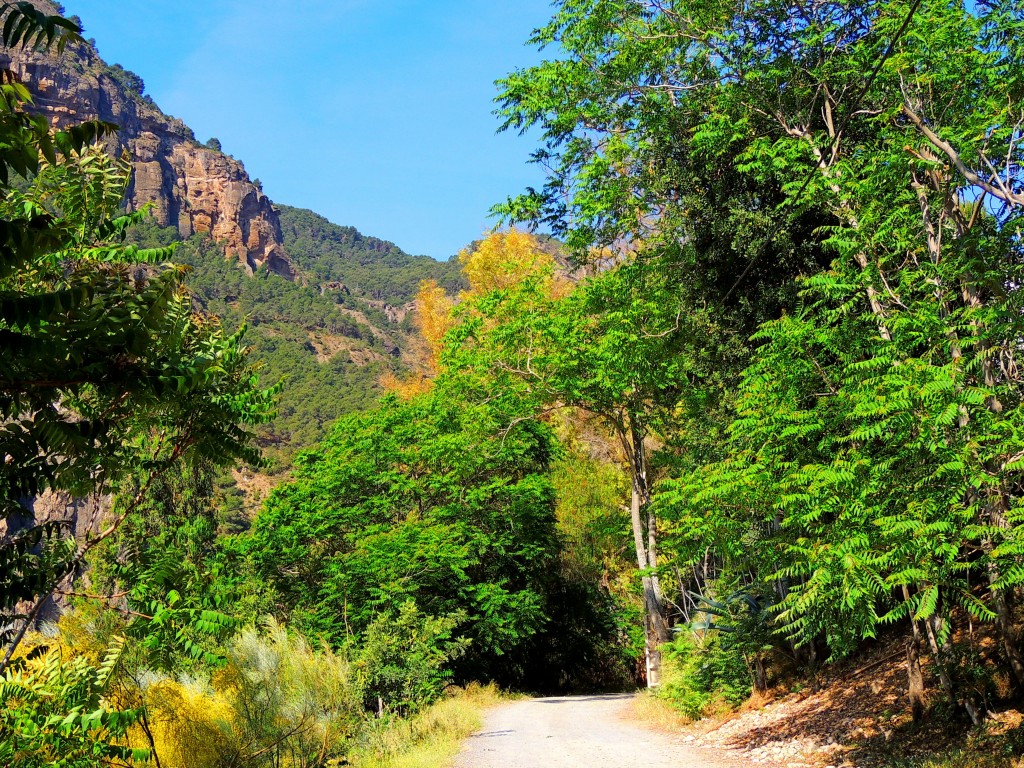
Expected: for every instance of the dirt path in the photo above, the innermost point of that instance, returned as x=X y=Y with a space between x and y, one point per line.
x=578 y=732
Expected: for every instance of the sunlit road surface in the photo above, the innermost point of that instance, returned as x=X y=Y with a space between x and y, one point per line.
x=578 y=732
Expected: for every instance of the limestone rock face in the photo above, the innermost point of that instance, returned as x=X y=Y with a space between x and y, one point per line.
x=190 y=187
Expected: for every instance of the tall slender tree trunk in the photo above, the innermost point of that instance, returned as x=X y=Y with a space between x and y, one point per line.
x=915 y=678
x=1002 y=599
x=938 y=639
x=645 y=539
x=993 y=507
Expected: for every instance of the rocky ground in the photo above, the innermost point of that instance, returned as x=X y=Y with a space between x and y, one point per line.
x=857 y=717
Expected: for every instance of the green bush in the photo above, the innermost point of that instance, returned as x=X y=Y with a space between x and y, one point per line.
x=404 y=658
x=703 y=673
x=277 y=703
x=54 y=711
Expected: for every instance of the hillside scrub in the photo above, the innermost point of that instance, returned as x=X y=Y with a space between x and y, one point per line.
x=329 y=347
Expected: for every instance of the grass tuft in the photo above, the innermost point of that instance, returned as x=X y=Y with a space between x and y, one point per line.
x=432 y=738
x=658 y=713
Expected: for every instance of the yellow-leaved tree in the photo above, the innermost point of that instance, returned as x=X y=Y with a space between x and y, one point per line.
x=501 y=260
x=504 y=259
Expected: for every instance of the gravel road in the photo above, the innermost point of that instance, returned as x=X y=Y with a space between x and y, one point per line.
x=578 y=732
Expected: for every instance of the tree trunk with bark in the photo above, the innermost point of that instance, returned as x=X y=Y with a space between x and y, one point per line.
x=645 y=539
x=915 y=678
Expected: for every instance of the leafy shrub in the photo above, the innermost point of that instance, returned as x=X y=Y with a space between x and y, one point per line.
x=404 y=658
x=428 y=500
x=53 y=712
x=278 y=702
x=700 y=674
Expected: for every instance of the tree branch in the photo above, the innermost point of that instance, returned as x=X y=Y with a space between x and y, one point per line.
x=999 y=190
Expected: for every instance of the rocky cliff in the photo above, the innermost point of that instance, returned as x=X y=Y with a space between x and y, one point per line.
x=190 y=186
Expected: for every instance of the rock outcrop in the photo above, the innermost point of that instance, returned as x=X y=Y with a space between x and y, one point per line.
x=190 y=186
x=85 y=517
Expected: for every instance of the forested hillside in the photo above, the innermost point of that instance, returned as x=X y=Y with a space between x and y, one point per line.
x=365 y=266
x=750 y=411
x=328 y=343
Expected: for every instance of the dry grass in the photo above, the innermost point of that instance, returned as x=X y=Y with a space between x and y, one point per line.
x=658 y=713
x=432 y=738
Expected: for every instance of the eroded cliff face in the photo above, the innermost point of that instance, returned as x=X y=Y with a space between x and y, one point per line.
x=190 y=187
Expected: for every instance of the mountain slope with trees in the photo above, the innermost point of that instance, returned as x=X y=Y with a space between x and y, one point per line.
x=329 y=345
x=366 y=266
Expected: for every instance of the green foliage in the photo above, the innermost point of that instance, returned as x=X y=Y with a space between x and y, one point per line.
x=703 y=674
x=127 y=79
x=871 y=423
x=107 y=369
x=109 y=379
x=598 y=598
x=434 y=500
x=405 y=658
x=25 y=25
x=161 y=561
x=54 y=713
x=842 y=182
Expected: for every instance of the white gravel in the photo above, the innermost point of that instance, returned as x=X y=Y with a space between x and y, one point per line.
x=579 y=732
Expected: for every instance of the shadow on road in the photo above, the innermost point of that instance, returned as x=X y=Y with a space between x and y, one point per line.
x=573 y=699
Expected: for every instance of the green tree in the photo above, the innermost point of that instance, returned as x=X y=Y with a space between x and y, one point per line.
x=436 y=500
x=616 y=347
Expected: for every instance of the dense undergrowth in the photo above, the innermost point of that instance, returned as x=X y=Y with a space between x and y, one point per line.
x=271 y=700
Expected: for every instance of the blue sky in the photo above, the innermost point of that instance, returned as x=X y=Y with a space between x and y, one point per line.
x=374 y=113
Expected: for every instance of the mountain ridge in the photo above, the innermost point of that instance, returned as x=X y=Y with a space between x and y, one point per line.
x=191 y=186
x=188 y=186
